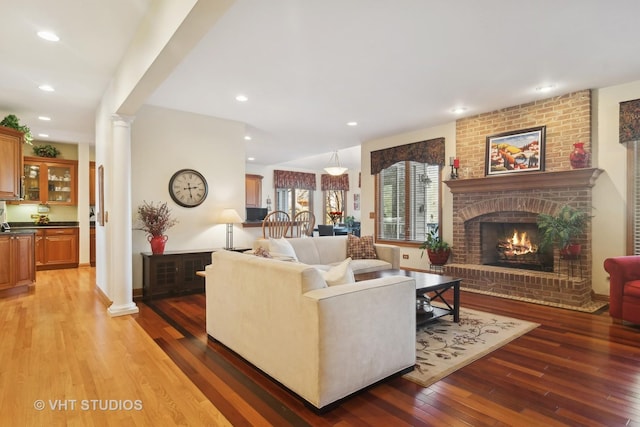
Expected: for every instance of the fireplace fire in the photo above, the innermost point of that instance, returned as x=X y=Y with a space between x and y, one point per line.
x=513 y=245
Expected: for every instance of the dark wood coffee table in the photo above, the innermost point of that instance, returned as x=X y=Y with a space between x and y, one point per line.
x=426 y=283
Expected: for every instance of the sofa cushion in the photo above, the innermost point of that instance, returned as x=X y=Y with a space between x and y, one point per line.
x=359 y=266
x=281 y=248
x=360 y=247
x=340 y=274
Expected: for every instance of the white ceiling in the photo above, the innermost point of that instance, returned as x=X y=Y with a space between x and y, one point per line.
x=310 y=66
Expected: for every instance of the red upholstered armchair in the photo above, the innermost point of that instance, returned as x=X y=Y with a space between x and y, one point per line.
x=624 y=288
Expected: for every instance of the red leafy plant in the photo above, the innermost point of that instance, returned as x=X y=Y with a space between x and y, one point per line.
x=155 y=219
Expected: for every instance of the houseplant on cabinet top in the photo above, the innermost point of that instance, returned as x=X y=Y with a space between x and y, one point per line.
x=13 y=122
x=437 y=249
x=155 y=220
x=562 y=230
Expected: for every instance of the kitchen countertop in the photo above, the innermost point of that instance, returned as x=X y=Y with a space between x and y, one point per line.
x=32 y=225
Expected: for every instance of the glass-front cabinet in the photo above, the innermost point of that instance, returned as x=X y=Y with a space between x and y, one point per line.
x=50 y=181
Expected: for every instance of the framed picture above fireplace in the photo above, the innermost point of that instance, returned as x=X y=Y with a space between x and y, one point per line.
x=515 y=151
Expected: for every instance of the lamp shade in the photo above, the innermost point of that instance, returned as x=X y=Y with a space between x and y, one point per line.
x=229 y=216
x=334 y=167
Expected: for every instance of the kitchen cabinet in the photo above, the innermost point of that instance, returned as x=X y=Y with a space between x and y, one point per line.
x=173 y=273
x=253 y=191
x=57 y=248
x=17 y=261
x=10 y=163
x=52 y=181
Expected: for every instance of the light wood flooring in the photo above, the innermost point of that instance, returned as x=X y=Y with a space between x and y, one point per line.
x=65 y=361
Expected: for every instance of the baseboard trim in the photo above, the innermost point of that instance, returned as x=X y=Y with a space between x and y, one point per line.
x=104 y=299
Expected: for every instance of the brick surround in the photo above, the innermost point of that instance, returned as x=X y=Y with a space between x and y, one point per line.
x=519 y=197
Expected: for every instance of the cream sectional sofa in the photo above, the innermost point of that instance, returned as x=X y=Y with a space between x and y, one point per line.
x=332 y=250
x=323 y=343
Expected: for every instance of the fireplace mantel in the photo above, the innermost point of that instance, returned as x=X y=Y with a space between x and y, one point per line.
x=526 y=181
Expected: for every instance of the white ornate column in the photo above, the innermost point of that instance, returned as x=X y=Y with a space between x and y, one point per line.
x=119 y=219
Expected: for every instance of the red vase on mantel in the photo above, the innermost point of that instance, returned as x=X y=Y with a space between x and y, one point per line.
x=579 y=158
x=157 y=244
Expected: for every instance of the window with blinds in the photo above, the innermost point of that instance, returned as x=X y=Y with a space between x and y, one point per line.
x=408 y=201
x=294 y=200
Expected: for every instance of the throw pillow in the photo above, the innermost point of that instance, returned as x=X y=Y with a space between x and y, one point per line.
x=281 y=248
x=340 y=274
x=360 y=247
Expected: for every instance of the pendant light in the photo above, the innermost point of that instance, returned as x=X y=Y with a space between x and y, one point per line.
x=335 y=168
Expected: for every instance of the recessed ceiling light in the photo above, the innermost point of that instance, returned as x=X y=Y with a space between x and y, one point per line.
x=242 y=98
x=45 y=118
x=46 y=88
x=459 y=110
x=247 y=138
x=43 y=135
x=251 y=159
x=545 y=88
x=48 y=35
x=352 y=123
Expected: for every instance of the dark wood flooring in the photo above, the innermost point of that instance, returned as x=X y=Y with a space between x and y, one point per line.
x=575 y=369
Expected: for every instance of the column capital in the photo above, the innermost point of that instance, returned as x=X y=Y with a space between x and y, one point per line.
x=122 y=120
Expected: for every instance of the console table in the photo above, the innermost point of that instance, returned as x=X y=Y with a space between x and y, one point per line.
x=173 y=273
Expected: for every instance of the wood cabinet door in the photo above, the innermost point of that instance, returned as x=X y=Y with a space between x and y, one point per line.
x=6 y=280
x=24 y=259
x=39 y=247
x=61 y=246
x=253 y=191
x=10 y=164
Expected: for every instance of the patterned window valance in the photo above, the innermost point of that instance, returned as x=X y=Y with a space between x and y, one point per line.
x=430 y=151
x=289 y=179
x=331 y=182
x=630 y=121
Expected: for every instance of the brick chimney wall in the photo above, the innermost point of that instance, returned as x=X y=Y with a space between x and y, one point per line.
x=568 y=120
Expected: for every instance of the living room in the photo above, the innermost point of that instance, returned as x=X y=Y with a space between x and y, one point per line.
x=163 y=140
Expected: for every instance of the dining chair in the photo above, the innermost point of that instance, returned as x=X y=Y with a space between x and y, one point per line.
x=325 y=230
x=276 y=225
x=303 y=223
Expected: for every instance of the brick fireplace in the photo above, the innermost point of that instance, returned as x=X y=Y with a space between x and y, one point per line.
x=519 y=198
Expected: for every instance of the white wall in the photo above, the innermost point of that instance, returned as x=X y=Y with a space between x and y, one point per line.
x=164 y=141
x=609 y=193
x=448 y=132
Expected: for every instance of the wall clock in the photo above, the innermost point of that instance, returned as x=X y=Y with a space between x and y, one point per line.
x=188 y=188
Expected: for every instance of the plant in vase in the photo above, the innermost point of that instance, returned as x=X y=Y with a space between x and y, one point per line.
x=335 y=216
x=437 y=249
x=562 y=230
x=155 y=220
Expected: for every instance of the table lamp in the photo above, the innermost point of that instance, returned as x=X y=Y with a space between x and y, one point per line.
x=229 y=217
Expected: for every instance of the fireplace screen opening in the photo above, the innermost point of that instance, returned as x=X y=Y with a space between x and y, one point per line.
x=513 y=245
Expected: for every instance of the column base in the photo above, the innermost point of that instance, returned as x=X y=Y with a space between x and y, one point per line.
x=122 y=310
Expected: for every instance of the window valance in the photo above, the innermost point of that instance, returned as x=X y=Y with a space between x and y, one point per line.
x=331 y=182
x=630 y=121
x=430 y=151
x=290 y=179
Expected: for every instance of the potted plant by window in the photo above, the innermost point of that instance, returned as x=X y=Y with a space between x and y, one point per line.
x=155 y=220
x=562 y=229
x=437 y=249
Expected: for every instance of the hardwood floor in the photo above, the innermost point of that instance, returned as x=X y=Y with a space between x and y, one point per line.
x=65 y=361
x=59 y=343
x=575 y=369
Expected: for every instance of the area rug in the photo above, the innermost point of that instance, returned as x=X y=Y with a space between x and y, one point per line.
x=443 y=346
